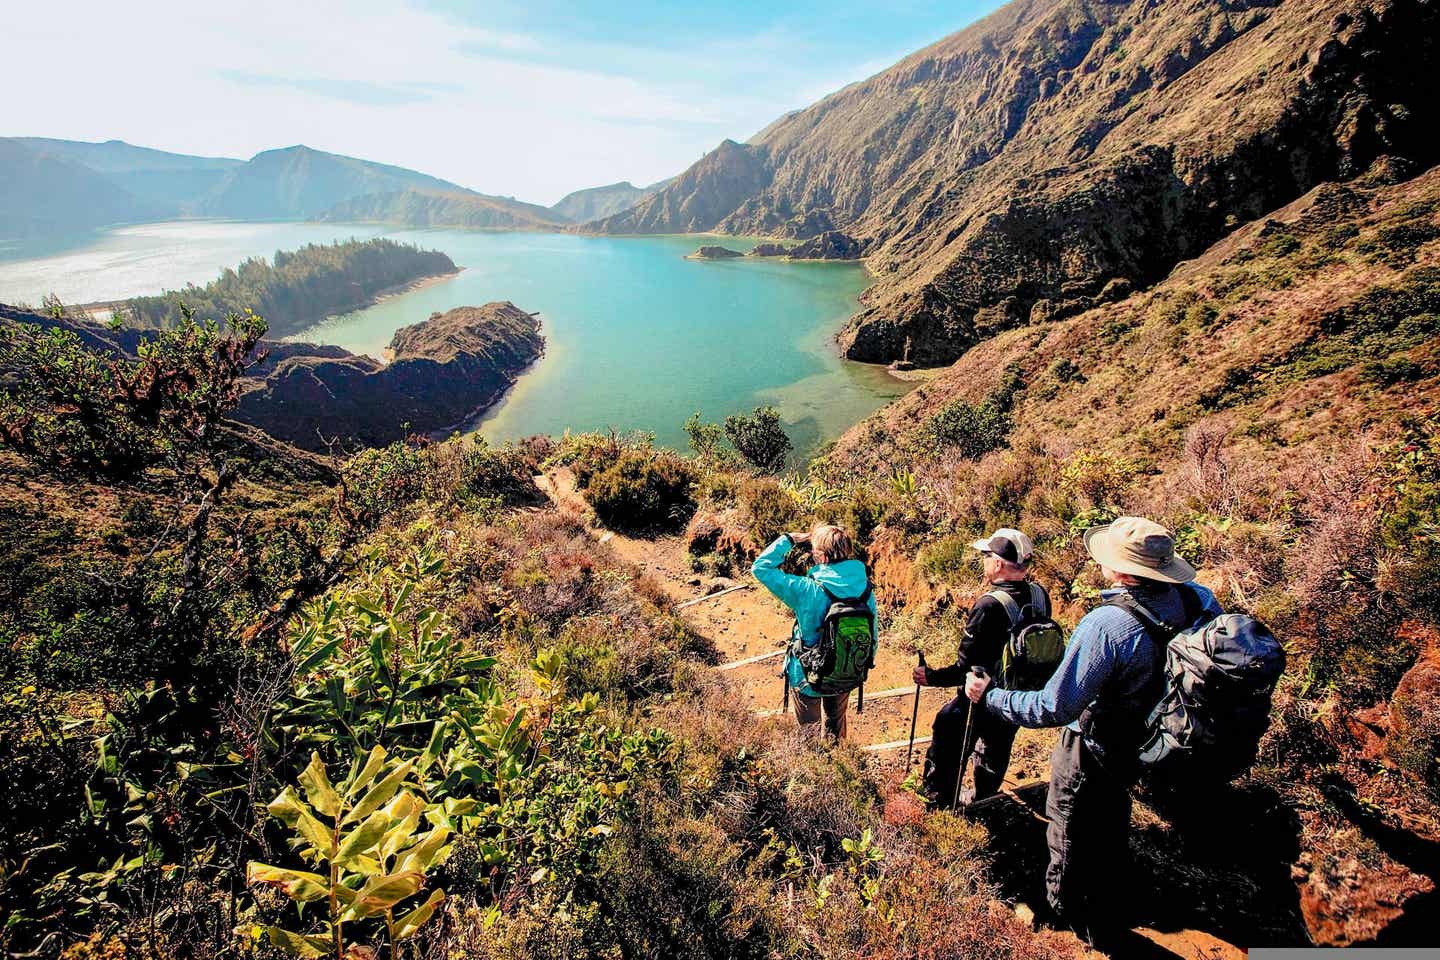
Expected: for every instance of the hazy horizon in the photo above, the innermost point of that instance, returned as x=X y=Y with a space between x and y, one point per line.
x=532 y=101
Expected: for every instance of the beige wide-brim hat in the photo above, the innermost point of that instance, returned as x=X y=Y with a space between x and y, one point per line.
x=1139 y=547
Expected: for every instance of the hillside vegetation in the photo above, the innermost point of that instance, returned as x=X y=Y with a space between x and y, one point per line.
x=1274 y=402
x=554 y=753
x=458 y=209
x=1060 y=152
x=296 y=289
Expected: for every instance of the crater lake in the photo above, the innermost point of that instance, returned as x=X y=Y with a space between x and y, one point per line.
x=638 y=337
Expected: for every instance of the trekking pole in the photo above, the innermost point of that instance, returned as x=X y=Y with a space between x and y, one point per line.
x=784 y=693
x=965 y=741
x=914 y=714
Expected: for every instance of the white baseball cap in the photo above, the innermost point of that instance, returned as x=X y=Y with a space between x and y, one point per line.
x=1007 y=544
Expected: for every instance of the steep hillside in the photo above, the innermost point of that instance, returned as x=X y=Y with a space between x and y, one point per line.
x=299 y=182
x=1276 y=402
x=442 y=373
x=173 y=179
x=1017 y=169
x=594 y=203
x=43 y=195
x=424 y=208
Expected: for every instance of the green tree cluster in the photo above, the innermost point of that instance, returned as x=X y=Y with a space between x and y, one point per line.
x=299 y=288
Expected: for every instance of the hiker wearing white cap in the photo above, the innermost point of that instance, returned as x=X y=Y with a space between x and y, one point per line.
x=1013 y=600
x=1111 y=676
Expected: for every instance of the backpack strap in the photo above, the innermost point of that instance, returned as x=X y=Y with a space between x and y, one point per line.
x=1160 y=631
x=1039 y=599
x=1012 y=609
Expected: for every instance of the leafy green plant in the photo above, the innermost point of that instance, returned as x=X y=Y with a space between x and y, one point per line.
x=80 y=411
x=642 y=491
x=362 y=837
x=759 y=438
x=381 y=480
x=707 y=440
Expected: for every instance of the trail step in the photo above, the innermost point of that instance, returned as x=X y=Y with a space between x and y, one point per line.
x=881 y=695
x=712 y=596
x=893 y=744
x=734 y=664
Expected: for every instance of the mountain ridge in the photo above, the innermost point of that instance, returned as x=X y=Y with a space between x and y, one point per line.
x=1027 y=161
x=464 y=209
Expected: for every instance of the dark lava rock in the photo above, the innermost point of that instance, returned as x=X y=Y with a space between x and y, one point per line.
x=443 y=373
x=715 y=253
x=831 y=245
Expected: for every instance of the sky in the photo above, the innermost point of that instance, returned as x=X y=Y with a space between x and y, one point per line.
x=528 y=99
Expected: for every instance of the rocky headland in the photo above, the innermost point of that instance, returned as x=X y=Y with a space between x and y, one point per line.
x=444 y=372
x=714 y=252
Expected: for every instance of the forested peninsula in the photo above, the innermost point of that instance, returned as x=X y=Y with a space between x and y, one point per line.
x=296 y=289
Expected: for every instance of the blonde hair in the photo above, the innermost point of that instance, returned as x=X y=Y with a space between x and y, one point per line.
x=831 y=543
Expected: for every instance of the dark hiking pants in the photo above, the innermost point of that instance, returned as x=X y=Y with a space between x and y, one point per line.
x=1088 y=836
x=808 y=709
x=989 y=741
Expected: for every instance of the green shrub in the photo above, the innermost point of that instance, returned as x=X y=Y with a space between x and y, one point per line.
x=759 y=438
x=707 y=440
x=970 y=429
x=495 y=472
x=950 y=559
x=382 y=480
x=1064 y=370
x=642 y=491
x=767 y=510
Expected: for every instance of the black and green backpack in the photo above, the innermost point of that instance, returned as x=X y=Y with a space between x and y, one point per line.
x=842 y=659
x=1036 y=645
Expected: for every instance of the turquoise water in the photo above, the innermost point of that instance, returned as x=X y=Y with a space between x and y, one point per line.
x=638 y=337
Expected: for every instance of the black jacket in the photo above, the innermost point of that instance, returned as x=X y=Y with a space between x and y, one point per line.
x=987 y=629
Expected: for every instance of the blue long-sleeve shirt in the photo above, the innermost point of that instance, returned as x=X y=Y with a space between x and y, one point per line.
x=806 y=596
x=1110 y=664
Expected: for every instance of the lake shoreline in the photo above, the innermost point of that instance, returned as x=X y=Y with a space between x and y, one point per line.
x=637 y=338
x=102 y=310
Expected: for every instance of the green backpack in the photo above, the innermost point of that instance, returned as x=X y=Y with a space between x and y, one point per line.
x=842 y=659
x=1036 y=645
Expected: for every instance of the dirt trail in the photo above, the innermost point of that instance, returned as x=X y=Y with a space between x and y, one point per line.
x=747 y=623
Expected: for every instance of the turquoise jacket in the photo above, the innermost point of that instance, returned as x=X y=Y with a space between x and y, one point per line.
x=806 y=597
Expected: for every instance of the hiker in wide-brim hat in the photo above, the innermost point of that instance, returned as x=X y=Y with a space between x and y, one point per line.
x=1140 y=548
x=1101 y=693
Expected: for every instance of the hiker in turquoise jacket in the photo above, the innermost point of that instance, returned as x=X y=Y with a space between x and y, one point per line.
x=835 y=570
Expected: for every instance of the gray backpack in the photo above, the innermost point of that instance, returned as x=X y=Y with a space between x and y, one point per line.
x=1219 y=678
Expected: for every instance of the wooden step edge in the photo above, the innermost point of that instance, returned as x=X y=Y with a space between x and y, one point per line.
x=893 y=744
x=712 y=596
x=734 y=664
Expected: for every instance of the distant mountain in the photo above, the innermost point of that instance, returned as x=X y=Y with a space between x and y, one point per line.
x=1013 y=171
x=299 y=182
x=173 y=179
x=457 y=208
x=45 y=195
x=116 y=181
x=594 y=203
